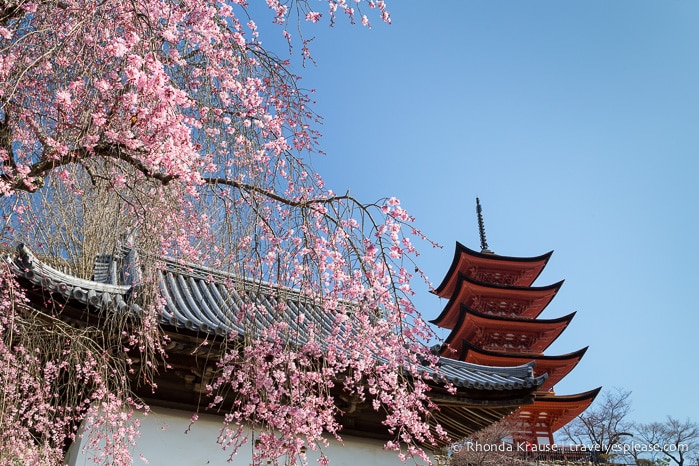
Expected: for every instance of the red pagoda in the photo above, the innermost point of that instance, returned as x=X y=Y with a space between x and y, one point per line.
x=492 y=312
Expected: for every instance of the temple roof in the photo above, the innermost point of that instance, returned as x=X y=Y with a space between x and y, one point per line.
x=504 y=333
x=200 y=301
x=557 y=366
x=503 y=300
x=490 y=268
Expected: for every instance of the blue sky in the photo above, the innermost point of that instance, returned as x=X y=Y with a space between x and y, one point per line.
x=576 y=124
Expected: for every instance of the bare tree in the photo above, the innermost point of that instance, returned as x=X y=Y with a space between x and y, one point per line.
x=603 y=427
x=673 y=440
x=646 y=435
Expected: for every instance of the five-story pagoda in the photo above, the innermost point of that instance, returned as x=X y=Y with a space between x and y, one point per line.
x=492 y=312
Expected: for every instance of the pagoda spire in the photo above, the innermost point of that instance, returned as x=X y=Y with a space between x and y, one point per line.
x=481 y=228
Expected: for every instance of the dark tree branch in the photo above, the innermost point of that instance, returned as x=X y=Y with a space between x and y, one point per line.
x=275 y=196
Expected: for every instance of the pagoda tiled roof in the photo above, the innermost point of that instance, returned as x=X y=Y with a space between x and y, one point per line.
x=518 y=271
x=473 y=325
x=555 y=411
x=202 y=300
x=556 y=366
x=516 y=301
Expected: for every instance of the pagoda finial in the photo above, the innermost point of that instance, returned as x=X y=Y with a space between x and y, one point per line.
x=481 y=228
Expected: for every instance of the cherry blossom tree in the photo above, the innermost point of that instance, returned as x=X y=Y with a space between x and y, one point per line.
x=167 y=121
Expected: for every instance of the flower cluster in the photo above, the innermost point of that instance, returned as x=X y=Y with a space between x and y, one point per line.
x=54 y=376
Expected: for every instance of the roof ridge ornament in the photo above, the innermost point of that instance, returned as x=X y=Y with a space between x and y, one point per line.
x=481 y=228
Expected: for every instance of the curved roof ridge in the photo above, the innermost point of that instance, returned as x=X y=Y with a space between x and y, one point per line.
x=523 y=370
x=479 y=377
x=463 y=248
x=566 y=318
x=583 y=396
x=553 y=286
x=29 y=266
x=467 y=346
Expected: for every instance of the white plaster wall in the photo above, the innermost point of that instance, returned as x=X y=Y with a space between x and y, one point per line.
x=163 y=441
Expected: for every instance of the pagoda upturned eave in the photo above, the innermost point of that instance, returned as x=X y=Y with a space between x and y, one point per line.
x=522 y=271
x=504 y=333
x=556 y=366
x=505 y=300
x=555 y=411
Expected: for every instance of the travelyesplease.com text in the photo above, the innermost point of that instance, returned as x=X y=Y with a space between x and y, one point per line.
x=622 y=448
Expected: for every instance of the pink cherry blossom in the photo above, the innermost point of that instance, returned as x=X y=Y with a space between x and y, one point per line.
x=168 y=121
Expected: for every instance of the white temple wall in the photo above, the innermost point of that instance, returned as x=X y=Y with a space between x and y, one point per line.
x=163 y=442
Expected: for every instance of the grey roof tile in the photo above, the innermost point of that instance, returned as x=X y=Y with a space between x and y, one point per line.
x=208 y=301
